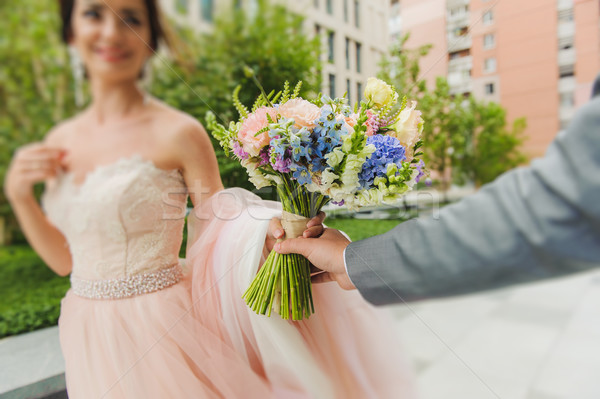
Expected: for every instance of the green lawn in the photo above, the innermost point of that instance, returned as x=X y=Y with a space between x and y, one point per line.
x=359 y=229
x=30 y=292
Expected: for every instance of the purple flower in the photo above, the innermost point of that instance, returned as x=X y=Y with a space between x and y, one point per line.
x=239 y=151
x=264 y=157
x=282 y=164
x=420 y=165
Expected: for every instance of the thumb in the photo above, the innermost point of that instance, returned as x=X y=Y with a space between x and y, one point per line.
x=293 y=245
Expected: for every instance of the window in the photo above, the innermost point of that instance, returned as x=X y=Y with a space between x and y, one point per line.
x=317 y=30
x=489 y=88
x=489 y=40
x=237 y=4
x=207 y=9
x=331 y=85
x=331 y=46
x=316 y=3
x=347 y=53
x=488 y=17
x=358 y=49
x=489 y=65
x=345 y=10
x=359 y=91
x=357 y=13
x=348 y=96
x=329 y=6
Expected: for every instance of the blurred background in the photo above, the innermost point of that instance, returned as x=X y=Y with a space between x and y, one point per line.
x=495 y=80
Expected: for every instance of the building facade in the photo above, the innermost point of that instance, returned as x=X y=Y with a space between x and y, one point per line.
x=354 y=34
x=537 y=58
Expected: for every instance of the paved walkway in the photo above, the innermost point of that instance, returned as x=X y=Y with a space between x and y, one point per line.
x=536 y=341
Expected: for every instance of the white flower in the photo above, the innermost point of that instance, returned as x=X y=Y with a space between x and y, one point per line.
x=334 y=157
x=256 y=177
x=327 y=179
x=380 y=93
x=408 y=128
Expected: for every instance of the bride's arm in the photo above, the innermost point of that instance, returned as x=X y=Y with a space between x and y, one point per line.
x=193 y=151
x=32 y=164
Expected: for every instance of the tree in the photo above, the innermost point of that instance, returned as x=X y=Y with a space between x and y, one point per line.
x=465 y=139
x=489 y=148
x=270 y=40
x=35 y=82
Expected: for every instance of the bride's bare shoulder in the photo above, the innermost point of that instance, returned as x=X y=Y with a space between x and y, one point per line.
x=176 y=127
x=60 y=134
x=176 y=120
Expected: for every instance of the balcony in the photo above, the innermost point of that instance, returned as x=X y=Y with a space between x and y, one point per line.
x=566 y=113
x=566 y=29
x=451 y=4
x=458 y=43
x=566 y=57
x=459 y=77
x=462 y=87
x=460 y=64
x=567 y=84
x=458 y=20
x=564 y=5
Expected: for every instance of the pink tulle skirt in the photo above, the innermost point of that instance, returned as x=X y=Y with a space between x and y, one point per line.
x=198 y=339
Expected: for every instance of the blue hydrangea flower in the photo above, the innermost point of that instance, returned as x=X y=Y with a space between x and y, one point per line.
x=387 y=150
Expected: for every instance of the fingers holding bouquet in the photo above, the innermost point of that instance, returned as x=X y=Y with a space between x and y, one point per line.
x=314 y=228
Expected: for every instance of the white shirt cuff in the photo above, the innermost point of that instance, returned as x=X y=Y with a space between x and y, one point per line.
x=345 y=265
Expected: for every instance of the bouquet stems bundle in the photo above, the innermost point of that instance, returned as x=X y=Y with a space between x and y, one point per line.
x=283 y=282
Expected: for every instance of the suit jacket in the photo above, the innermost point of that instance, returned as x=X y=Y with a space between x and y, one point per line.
x=530 y=223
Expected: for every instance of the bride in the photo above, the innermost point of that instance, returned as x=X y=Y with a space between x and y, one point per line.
x=137 y=322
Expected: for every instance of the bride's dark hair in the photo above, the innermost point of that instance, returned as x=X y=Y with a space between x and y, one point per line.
x=157 y=26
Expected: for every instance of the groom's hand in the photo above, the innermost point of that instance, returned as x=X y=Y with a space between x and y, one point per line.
x=325 y=252
x=314 y=228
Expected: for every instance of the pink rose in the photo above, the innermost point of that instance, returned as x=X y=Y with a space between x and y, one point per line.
x=255 y=122
x=301 y=111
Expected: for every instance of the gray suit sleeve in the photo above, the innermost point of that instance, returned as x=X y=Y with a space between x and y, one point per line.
x=531 y=223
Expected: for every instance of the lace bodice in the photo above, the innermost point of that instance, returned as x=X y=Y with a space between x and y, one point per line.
x=126 y=218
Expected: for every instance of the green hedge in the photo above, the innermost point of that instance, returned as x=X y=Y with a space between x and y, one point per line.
x=30 y=292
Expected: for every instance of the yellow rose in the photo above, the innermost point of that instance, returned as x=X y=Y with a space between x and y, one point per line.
x=380 y=93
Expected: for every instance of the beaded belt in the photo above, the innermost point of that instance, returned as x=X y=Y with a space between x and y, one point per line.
x=128 y=286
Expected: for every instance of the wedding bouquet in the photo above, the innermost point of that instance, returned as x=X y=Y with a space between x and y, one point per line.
x=315 y=152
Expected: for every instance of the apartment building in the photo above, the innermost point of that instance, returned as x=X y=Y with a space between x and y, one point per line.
x=537 y=58
x=354 y=34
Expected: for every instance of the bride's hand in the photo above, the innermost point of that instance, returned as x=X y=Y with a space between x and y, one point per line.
x=314 y=228
x=31 y=164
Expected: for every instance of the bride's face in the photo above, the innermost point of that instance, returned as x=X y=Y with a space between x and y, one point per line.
x=112 y=37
